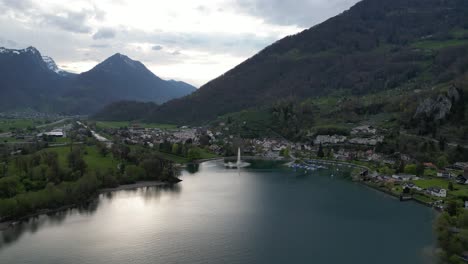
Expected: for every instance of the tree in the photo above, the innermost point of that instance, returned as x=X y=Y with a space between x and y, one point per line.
x=102 y=148
x=152 y=167
x=419 y=169
x=72 y=136
x=109 y=179
x=120 y=151
x=194 y=154
x=284 y=152
x=205 y=140
x=175 y=148
x=411 y=169
x=10 y=186
x=442 y=162
x=452 y=208
x=442 y=143
x=76 y=161
x=450 y=186
x=39 y=173
x=401 y=167
x=132 y=174
x=320 y=152
x=385 y=170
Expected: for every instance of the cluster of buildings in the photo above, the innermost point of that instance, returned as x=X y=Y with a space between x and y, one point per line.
x=137 y=135
x=57 y=132
x=434 y=191
x=362 y=135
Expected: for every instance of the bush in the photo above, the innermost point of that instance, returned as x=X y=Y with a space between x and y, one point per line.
x=8 y=207
x=10 y=186
x=194 y=154
x=109 y=180
x=132 y=174
x=411 y=169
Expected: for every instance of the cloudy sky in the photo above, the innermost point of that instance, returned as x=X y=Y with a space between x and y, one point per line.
x=188 y=40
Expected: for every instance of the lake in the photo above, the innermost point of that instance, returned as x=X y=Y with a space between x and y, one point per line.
x=262 y=214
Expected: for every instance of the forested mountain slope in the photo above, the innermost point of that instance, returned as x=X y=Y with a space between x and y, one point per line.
x=377 y=45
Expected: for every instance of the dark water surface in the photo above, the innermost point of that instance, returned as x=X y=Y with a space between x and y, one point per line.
x=216 y=215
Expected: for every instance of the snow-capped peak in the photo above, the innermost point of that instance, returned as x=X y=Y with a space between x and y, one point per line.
x=32 y=50
x=51 y=64
x=19 y=51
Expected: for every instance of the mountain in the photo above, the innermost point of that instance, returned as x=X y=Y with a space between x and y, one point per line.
x=124 y=110
x=121 y=78
x=26 y=79
x=53 y=67
x=30 y=80
x=377 y=45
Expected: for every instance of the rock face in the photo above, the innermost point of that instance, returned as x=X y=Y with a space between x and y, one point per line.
x=438 y=109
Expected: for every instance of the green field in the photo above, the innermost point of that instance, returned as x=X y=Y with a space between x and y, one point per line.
x=178 y=159
x=207 y=155
x=112 y=124
x=12 y=124
x=9 y=140
x=459 y=190
x=171 y=157
x=436 y=45
x=93 y=159
x=426 y=183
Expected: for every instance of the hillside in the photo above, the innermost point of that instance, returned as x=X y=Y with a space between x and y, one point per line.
x=49 y=89
x=377 y=45
x=16 y=89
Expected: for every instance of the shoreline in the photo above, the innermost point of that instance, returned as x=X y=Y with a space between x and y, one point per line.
x=137 y=185
x=8 y=224
x=370 y=185
x=4 y=225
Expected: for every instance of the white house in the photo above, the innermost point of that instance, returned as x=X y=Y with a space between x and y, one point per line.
x=327 y=139
x=436 y=191
x=466 y=204
x=364 y=130
x=444 y=174
x=53 y=133
x=405 y=177
x=412 y=186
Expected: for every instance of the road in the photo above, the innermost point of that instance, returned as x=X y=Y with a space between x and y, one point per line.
x=53 y=123
x=450 y=144
x=96 y=135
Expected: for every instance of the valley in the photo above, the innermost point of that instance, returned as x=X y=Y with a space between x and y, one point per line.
x=354 y=131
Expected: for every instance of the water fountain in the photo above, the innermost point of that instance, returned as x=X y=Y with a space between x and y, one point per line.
x=239 y=163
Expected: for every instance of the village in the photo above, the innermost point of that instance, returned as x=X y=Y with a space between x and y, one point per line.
x=398 y=174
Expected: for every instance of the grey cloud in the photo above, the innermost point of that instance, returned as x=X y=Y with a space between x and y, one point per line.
x=176 y=53
x=70 y=21
x=100 y=46
x=99 y=14
x=17 y=4
x=221 y=43
x=157 y=47
x=8 y=43
x=203 y=9
x=303 y=13
x=104 y=33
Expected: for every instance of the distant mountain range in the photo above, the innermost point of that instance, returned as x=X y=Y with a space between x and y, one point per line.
x=30 y=80
x=376 y=46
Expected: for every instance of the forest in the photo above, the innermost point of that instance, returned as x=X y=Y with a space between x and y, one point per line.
x=49 y=178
